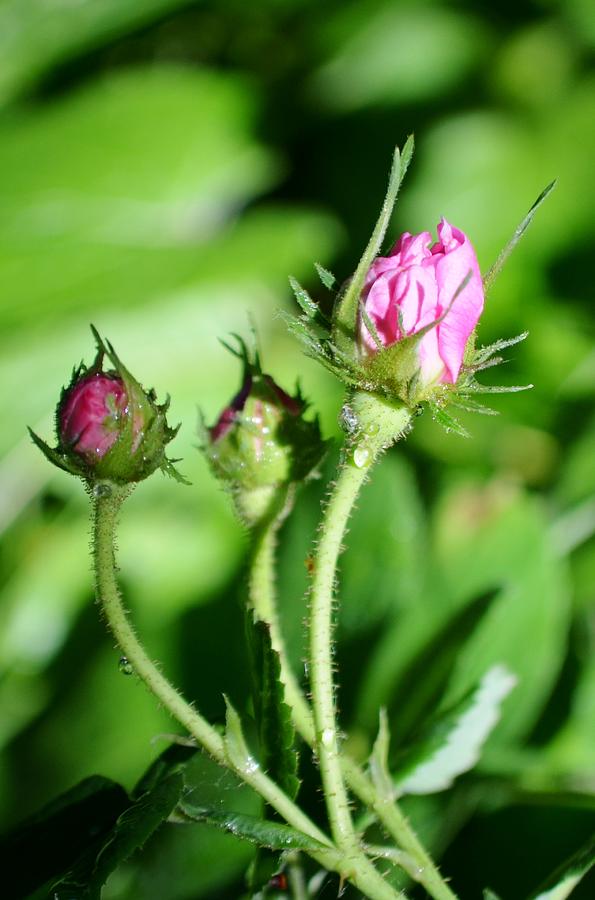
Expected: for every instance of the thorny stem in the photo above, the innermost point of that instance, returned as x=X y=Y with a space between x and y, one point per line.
x=107 y=499
x=263 y=600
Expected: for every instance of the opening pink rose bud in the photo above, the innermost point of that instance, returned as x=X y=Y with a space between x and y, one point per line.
x=91 y=414
x=419 y=284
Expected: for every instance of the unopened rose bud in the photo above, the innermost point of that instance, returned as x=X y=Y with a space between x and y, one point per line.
x=261 y=442
x=108 y=427
x=91 y=415
x=428 y=297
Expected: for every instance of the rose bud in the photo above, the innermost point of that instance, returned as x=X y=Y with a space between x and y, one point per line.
x=261 y=442
x=91 y=415
x=108 y=428
x=422 y=302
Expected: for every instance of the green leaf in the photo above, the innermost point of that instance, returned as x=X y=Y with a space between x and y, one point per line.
x=236 y=748
x=276 y=732
x=173 y=760
x=103 y=852
x=251 y=828
x=565 y=879
x=347 y=306
x=135 y=826
x=71 y=828
x=510 y=548
x=452 y=743
x=379 y=760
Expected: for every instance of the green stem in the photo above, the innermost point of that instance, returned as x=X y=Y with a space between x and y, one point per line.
x=262 y=598
x=297 y=881
x=379 y=426
x=107 y=501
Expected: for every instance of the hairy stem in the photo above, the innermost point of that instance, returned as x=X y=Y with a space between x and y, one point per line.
x=263 y=600
x=383 y=424
x=107 y=501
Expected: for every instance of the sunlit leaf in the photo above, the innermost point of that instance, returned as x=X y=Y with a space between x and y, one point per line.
x=452 y=743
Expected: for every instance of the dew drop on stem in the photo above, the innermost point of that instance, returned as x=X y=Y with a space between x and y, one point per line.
x=125 y=666
x=361 y=457
x=102 y=490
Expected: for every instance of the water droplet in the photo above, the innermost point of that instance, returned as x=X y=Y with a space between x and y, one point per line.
x=124 y=666
x=328 y=737
x=361 y=457
x=251 y=766
x=374 y=428
x=102 y=490
x=348 y=420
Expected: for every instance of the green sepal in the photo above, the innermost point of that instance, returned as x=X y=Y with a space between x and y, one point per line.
x=448 y=422
x=519 y=231
x=304 y=300
x=124 y=462
x=345 y=314
x=327 y=278
x=56 y=457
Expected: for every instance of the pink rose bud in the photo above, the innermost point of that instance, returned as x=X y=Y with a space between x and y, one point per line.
x=417 y=285
x=91 y=415
x=261 y=442
x=108 y=427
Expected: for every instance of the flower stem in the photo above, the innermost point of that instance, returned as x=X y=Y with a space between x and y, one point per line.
x=379 y=425
x=262 y=599
x=108 y=498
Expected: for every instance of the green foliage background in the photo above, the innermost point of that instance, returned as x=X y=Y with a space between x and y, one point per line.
x=164 y=165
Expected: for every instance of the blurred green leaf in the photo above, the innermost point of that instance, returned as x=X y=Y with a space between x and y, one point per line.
x=39 y=34
x=71 y=826
x=383 y=53
x=563 y=882
x=112 y=188
x=488 y=542
x=490 y=579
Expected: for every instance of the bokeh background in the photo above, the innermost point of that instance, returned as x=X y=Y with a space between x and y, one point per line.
x=164 y=165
